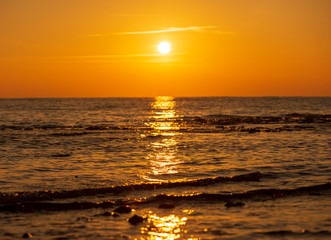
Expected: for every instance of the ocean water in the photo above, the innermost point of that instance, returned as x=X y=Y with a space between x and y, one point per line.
x=192 y=168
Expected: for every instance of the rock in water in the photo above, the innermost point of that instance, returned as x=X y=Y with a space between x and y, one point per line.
x=61 y=155
x=123 y=209
x=27 y=235
x=136 y=219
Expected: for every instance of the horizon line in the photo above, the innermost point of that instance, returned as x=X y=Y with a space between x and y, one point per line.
x=234 y=96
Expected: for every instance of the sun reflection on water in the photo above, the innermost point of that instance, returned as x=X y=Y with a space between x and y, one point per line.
x=168 y=227
x=162 y=135
x=164 y=125
x=163 y=116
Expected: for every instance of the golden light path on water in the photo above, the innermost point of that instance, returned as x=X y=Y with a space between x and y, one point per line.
x=168 y=227
x=164 y=125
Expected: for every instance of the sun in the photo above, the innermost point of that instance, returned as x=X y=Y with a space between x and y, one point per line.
x=164 y=47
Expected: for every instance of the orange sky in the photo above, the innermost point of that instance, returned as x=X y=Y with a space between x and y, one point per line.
x=104 y=48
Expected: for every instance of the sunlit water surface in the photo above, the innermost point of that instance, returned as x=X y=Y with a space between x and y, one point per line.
x=175 y=161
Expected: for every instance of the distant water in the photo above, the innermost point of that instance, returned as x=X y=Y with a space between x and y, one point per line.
x=194 y=168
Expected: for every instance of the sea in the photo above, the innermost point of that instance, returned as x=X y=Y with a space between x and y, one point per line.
x=165 y=168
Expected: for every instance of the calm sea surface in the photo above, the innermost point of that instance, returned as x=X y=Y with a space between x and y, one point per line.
x=193 y=168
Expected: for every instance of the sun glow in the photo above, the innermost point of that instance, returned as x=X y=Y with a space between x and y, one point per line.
x=164 y=47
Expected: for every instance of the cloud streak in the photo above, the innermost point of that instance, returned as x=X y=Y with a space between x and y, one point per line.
x=211 y=29
x=172 y=29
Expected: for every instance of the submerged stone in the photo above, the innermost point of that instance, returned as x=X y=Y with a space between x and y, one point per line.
x=123 y=209
x=27 y=235
x=61 y=155
x=136 y=219
x=253 y=130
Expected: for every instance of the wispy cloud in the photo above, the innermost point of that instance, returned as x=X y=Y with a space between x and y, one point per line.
x=171 y=29
x=211 y=29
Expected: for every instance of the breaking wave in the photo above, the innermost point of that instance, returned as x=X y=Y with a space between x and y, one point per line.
x=254 y=195
x=51 y=195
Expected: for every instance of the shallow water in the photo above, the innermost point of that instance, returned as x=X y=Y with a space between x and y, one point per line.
x=64 y=162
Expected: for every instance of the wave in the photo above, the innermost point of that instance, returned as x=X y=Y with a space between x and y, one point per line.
x=282 y=119
x=203 y=128
x=63 y=127
x=218 y=120
x=255 y=195
x=51 y=195
x=252 y=129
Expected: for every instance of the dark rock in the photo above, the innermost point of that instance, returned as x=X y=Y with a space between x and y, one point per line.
x=253 y=130
x=166 y=206
x=61 y=155
x=96 y=128
x=236 y=204
x=136 y=219
x=27 y=235
x=123 y=209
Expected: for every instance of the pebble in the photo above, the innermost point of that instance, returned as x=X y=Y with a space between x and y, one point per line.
x=123 y=209
x=61 y=155
x=136 y=219
x=27 y=235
